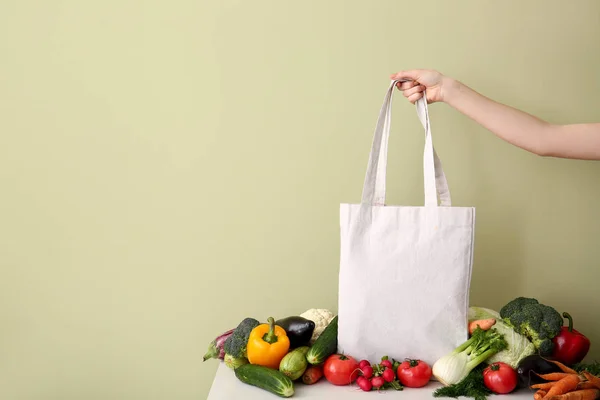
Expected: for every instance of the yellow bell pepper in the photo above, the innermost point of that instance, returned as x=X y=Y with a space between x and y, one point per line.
x=267 y=344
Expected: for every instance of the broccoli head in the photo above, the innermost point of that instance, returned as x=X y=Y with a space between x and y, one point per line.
x=235 y=345
x=538 y=322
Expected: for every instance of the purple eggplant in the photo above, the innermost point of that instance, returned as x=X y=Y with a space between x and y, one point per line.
x=215 y=348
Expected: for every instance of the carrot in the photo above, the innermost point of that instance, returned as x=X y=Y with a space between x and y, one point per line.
x=586 y=385
x=539 y=395
x=484 y=324
x=543 y=386
x=563 y=386
x=586 y=394
x=563 y=367
x=594 y=380
x=554 y=376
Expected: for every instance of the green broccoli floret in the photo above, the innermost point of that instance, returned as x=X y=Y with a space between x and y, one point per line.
x=235 y=345
x=515 y=306
x=538 y=322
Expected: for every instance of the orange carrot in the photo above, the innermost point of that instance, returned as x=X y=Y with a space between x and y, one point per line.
x=586 y=385
x=554 y=376
x=484 y=324
x=594 y=380
x=539 y=395
x=586 y=394
x=563 y=367
x=543 y=386
x=563 y=386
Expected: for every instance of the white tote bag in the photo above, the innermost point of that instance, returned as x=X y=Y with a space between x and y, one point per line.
x=405 y=271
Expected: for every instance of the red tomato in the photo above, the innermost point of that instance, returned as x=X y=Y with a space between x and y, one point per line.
x=500 y=378
x=340 y=369
x=414 y=373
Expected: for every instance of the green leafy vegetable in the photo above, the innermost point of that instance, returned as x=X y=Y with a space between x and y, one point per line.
x=519 y=346
x=538 y=322
x=235 y=345
x=472 y=386
x=593 y=367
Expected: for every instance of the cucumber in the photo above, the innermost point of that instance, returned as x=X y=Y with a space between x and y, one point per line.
x=294 y=363
x=325 y=345
x=265 y=378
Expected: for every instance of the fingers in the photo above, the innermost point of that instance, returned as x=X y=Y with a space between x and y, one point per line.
x=411 y=90
x=406 y=85
x=411 y=75
x=415 y=97
x=414 y=90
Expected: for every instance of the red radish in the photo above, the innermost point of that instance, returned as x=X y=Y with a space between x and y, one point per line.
x=362 y=363
x=377 y=382
x=388 y=375
x=364 y=383
x=386 y=363
x=367 y=371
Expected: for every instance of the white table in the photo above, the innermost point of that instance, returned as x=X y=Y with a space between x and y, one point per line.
x=227 y=387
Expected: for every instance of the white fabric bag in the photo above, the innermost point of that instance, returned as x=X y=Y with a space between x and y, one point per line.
x=405 y=271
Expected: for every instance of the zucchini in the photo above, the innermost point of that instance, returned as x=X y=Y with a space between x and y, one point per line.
x=265 y=378
x=294 y=363
x=325 y=345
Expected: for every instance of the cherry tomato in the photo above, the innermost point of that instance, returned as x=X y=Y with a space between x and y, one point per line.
x=340 y=369
x=500 y=378
x=414 y=373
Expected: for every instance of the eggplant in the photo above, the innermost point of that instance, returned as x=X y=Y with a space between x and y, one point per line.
x=534 y=363
x=298 y=329
x=215 y=348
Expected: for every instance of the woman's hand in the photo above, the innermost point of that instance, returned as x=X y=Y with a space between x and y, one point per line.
x=436 y=84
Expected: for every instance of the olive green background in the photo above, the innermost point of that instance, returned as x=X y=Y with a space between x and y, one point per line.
x=168 y=168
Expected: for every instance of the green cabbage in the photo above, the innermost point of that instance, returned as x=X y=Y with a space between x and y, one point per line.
x=519 y=346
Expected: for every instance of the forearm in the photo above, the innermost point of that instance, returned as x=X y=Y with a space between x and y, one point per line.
x=512 y=125
x=578 y=141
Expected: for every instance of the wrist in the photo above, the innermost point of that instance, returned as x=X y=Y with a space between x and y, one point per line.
x=450 y=89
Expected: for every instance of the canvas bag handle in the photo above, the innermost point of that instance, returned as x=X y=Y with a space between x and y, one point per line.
x=435 y=183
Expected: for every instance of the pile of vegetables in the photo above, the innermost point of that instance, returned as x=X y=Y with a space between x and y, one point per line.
x=524 y=345
x=275 y=354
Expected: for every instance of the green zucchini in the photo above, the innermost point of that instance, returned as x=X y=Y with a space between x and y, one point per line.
x=325 y=345
x=265 y=378
x=293 y=364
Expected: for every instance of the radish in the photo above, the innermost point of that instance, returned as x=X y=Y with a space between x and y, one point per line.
x=388 y=375
x=364 y=383
x=386 y=363
x=367 y=371
x=362 y=363
x=377 y=382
